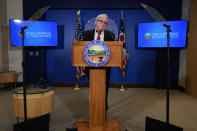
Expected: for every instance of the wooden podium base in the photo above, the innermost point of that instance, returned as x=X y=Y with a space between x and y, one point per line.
x=97 y=121
x=111 y=125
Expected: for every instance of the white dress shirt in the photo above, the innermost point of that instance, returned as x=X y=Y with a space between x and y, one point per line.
x=101 y=35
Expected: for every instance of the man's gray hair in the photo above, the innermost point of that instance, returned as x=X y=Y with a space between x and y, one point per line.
x=101 y=15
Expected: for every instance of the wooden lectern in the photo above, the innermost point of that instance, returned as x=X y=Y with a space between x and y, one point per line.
x=97 y=82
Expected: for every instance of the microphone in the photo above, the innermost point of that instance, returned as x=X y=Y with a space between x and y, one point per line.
x=167 y=26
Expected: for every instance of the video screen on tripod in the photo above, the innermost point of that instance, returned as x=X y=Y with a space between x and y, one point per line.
x=36 y=33
x=154 y=34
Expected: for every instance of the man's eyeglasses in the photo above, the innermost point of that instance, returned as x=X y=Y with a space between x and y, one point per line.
x=106 y=23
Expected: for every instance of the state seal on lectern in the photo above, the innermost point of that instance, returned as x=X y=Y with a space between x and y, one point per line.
x=96 y=53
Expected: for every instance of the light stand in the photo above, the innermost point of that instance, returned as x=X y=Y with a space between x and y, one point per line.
x=24 y=125
x=40 y=123
x=24 y=74
x=156 y=125
x=168 y=74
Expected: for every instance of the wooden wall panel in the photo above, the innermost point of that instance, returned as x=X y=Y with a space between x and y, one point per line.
x=191 y=80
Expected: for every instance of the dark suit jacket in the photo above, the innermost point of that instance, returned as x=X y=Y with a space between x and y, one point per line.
x=89 y=35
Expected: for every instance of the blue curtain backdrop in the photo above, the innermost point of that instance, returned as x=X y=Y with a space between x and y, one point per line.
x=141 y=67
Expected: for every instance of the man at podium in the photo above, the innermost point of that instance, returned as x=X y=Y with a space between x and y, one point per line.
x=100 y=33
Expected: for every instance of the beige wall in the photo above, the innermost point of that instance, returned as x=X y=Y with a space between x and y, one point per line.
x=10 y=58
x=3 y=37
x=14 y=11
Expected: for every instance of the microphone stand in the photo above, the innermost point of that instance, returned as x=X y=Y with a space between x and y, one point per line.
x=168 y=73
x=24 y=74
x=156 y=125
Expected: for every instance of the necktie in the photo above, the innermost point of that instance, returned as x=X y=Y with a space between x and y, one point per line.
x=98 y=37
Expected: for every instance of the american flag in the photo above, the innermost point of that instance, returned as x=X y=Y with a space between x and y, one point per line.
x=78 y=37
x=78 y=32
x=122 y=39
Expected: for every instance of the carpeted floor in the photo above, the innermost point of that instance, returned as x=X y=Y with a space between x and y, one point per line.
x=130 y=108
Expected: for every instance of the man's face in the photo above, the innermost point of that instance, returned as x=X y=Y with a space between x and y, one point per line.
x=101 y=22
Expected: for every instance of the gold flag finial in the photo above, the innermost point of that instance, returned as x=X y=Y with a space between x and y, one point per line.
x=122 y=14
x=78 y=12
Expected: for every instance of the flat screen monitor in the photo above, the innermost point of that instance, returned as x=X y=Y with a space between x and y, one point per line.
x=154 y=34
x=37 y=33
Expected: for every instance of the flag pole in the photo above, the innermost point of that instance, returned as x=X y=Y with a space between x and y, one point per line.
x=122 y=84
x=77 y=84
